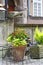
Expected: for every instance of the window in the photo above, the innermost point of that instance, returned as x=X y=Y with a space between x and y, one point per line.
x=39 y=0
x=37 y=7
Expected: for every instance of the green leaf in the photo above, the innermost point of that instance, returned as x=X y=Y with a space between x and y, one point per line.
x=9 y=39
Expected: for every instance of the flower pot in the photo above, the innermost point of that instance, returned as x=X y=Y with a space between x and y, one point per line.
x=19 y=52
x=36 y=51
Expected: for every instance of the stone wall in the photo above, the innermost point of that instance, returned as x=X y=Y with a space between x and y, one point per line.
x=30 y=30
x=2 y=2
x=23 y=8
x=6 y=28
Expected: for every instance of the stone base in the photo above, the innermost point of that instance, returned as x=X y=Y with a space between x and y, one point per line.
x=36 y=51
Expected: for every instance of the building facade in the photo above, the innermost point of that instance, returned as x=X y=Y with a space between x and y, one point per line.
x=35 y=7
x=32 y=16
x=35 y=15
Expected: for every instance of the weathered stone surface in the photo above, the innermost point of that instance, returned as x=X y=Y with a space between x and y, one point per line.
x=23 y=7
x=6 y=28
x=25 y=62
x=25 y=16
x=24 y=3
x=36 y=51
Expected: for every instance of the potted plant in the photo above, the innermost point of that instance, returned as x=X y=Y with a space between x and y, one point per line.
x=18 y=42
x=37 y=50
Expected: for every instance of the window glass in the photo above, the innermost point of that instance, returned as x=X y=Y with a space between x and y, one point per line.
x=37 y=8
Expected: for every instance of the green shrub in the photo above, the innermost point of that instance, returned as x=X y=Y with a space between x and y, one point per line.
x=38 y=35
x=18 y=37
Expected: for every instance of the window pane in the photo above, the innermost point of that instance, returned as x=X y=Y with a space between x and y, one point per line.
x=39 y=0
x=39 y=14
x=35 y=0
x=35 y=9
x=35 y=14
x=39 y=9
x=39 y=4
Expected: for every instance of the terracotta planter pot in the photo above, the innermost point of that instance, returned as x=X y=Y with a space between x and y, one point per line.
x=19 y=52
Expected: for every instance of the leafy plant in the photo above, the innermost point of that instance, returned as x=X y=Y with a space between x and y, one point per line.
x=18 y=37
x=38 y=36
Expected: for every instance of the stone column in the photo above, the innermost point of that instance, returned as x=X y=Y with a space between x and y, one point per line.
x=6 y=28
x=23 y=8
x=25 y=11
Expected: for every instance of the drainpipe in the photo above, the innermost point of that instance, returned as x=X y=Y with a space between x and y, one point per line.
x=28 y=2
x=6 y=13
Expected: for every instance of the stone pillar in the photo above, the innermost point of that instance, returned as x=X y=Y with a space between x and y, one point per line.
x=6 y=28
x=2 y=2
x=25 y=11
x=23 y=8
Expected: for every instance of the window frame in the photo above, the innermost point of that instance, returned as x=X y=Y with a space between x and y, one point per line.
x=34 y=1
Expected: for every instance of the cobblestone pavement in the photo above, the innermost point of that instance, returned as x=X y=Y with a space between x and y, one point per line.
x=25 y=62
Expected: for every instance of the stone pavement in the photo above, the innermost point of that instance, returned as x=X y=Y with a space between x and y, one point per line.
x=25 y=62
